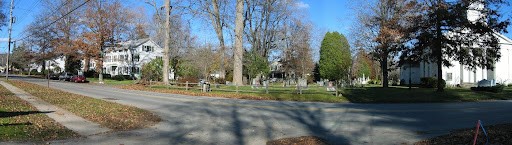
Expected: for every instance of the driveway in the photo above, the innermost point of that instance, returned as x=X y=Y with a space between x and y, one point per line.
x=204 y=120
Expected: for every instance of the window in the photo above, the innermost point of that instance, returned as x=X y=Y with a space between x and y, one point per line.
x=449 y=76
x=136 y=57
x=147 y=48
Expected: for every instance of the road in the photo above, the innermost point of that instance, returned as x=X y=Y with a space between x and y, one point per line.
x=205 y=120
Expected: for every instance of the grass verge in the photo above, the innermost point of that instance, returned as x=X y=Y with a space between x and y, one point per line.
x=20 y=121
x=498 y=135
x=111 y=82
x=107 y=114
x=283 y=95
x=421 y=95
x=373 y=94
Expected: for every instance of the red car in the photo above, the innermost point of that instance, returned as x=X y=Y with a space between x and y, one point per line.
x=78 y=79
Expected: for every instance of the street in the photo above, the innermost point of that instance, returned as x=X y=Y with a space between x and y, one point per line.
x=206 y=120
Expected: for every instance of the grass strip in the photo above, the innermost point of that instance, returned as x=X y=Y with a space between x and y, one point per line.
x=20 y=121
x=287 y=95
x=107 y=114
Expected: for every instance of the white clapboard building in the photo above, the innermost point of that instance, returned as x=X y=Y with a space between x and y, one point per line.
x=459 y=74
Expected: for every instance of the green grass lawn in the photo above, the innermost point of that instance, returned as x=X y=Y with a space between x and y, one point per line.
x=112 y=82
x=20 y=121
x=370 y=94
x=421 y=95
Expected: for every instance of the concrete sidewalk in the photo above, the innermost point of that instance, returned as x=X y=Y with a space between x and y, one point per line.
x=64 y=117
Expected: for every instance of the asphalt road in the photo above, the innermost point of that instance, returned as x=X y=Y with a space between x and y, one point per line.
x=205 y=120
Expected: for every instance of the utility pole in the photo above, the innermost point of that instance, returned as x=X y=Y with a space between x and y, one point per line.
x=165 y=70
x=9 y=40
x=100 y=61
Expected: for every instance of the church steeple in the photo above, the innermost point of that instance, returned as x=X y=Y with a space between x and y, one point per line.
x=475 y=9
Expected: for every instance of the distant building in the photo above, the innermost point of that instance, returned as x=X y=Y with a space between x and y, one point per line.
x=459 y=74
x=127 y=58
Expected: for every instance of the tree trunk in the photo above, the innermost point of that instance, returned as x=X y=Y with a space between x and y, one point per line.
x=439 y=51
x=239 y=50
x=165 y=69
x=86 y=64
x=384 y=65
x=215 y=18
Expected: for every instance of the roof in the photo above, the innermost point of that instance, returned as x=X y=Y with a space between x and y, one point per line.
x=504 y=38
x=129 y=44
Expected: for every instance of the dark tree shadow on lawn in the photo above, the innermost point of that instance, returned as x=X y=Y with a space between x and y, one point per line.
x=4 y=114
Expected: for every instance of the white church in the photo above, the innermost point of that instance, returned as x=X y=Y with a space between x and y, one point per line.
x=459 y=74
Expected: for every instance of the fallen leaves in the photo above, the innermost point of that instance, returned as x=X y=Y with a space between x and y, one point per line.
x=303 y=140
x=498 y=135
x=20 y=121
x=107 y=114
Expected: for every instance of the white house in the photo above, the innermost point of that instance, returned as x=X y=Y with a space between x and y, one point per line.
x=459 y=74
x=126 y=58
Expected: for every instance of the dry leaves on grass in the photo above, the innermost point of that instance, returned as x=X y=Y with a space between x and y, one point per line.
x=191 y=93
x=20 y=121
x=107 y=114
x=498 y=135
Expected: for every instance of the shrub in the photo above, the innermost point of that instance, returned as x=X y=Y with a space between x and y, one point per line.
x=90 y=74
x=118 y=78
x=402 y=82
x=431 y=82
x=495 y=89
x=152 y=70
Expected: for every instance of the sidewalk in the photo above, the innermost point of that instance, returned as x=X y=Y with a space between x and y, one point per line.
x=64 y=117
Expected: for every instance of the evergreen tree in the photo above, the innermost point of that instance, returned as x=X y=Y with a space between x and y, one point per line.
x=444 y=32
x=335 y=60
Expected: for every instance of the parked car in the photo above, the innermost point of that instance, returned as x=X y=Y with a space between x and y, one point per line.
x=78 y=79
x=54 y=76
x=65 y=76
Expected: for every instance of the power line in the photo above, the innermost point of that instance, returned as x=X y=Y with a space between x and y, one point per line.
x=58 y=18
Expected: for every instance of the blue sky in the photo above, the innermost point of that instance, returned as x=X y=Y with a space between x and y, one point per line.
x=326 y=15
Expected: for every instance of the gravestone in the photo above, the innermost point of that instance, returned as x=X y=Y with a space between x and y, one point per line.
x=330 y=87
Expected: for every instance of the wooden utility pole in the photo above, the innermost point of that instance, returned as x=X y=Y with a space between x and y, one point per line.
x=9 y=41
x=165 y=69
x=100 y=32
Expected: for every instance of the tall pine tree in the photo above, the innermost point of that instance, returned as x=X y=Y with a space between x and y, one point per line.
x=444 y=33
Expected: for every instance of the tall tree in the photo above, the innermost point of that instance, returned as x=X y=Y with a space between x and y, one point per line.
x=40 y=37
x=388 y=25
x=362 y=64
x=3 y=17
x=265 y=19
x=239 y=49
x=217 y=13
x=65 y=30
x=21 y=56
x=104 y=23
x=297 y=58
x=464 y=31
x=335 y=59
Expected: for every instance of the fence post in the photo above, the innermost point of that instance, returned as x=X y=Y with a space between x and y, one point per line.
x=266 y=88
x=186 y=85
x=236 y=88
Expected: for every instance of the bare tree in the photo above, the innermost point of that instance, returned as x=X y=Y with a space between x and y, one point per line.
x=296 y=58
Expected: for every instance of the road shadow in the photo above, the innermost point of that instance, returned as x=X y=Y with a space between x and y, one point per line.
x=212 y=123
x=4 y=114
